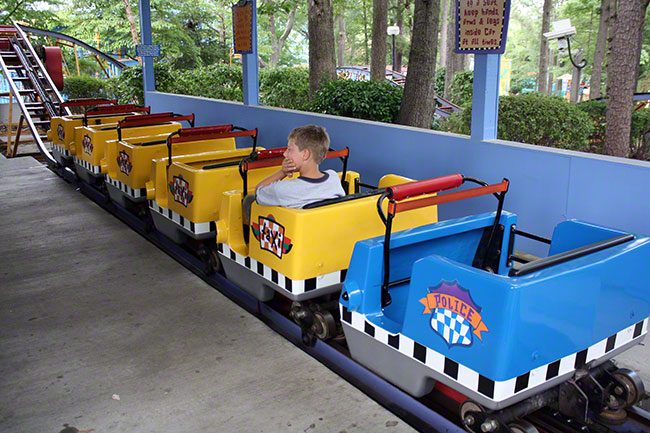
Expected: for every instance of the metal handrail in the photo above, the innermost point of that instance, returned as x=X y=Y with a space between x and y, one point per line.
x=30 y=123
x=40 y=65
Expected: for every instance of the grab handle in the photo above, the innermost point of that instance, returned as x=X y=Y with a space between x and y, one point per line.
x=396 y=195
x=151 y=119
x=201 y=133
x=429 y=186
x=114 y=109
x=85 y=101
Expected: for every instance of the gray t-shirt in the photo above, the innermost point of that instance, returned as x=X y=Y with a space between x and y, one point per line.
x=299 y=192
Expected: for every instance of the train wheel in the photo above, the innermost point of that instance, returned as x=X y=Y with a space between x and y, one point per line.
x=324 y=326
x=468 y=420
x=630 y=384
x=522 y=426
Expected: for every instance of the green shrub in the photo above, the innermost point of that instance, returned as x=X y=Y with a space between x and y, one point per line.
x=218 y=81
x=460 y=91
x=439 y=81
x=83 y=86
x=285 y=88
x=368 y=100
x=128 y=87
x=596 y=110
x=535 y=119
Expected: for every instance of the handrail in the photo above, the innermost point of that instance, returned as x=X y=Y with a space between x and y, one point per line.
x=103 y=110
x=556 y=259
x=214 y=132
x=396 y=195
x=22 y=34
x=151 y=119
x=85 y=101
x=30 y=123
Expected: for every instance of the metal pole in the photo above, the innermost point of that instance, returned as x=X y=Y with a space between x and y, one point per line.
x=394 y=65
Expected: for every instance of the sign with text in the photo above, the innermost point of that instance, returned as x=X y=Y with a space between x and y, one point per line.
x=242 y=24
x=482 y=26
x=147 y=50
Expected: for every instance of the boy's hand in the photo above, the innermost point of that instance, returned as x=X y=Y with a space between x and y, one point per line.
x=288 y=167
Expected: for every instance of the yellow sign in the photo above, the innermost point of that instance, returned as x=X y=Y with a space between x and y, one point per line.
x=481 y=25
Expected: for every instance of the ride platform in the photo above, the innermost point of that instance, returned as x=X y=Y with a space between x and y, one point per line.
x=104 y=331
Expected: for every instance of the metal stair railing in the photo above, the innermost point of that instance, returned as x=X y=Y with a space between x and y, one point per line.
x=39 y=64
x=25 y=112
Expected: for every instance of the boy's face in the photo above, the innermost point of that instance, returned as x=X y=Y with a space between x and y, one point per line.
x=295 y=155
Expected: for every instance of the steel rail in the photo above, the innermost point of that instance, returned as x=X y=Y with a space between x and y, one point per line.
x=29 y=46
x=30 y=123
x=74 y=41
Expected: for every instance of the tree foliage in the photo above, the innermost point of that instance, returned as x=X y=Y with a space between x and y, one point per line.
x=533 y=118
x=370 y=100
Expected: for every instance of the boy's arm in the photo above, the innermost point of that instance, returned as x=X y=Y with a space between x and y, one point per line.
x=287 y=169
x=278 y=175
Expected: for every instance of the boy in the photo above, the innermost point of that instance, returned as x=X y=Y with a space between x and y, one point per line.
x=306 y=149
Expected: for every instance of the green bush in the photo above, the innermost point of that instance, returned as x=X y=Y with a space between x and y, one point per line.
x=368 y=100
x=285 y=88
x=535 y=119
x=596 y=111
x=83 y=86
x=128 y=88
x=218 y=81
x=640 y=127
x=439 y=81
x=460 y=91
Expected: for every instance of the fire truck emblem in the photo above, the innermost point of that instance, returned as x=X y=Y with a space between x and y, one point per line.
x=87 y=144
x=124 y=163
x=455 y=315
x=271 y=236
x=60 y=132
x=180 y=188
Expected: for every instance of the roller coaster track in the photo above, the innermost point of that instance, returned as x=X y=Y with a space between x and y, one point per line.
x=31 y=85
x=444 y=108
x=75 y=41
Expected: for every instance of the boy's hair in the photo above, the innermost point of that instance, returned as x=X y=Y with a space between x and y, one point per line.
x=314 y=138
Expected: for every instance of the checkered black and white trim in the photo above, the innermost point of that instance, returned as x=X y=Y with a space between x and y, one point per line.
x=94 y=169
x=472 y=380
x=295 y=287
x=135 y=193
x=62 y=150
x=196 y=228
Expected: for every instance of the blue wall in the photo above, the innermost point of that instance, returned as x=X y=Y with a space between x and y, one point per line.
x=547 y=186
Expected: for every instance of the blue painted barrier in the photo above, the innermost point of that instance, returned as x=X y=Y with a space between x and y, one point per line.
x=547 y=185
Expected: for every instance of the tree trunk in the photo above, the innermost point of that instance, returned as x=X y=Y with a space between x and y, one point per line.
x=444 y=39
x=134 y=30
x=601 y=48
x=622 y=76
x=378 y=51
x=365 y=31
x=341 y=50
x=322 y=65
x=542 y=75
x=277 y=43
x=418 y=105
x=455 y=62
x=644 y=6
x=450 y=60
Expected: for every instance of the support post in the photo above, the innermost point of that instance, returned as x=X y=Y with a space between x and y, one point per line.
x=251 y=84
x=10 y=121
x=485 y=96
x=148 y=78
